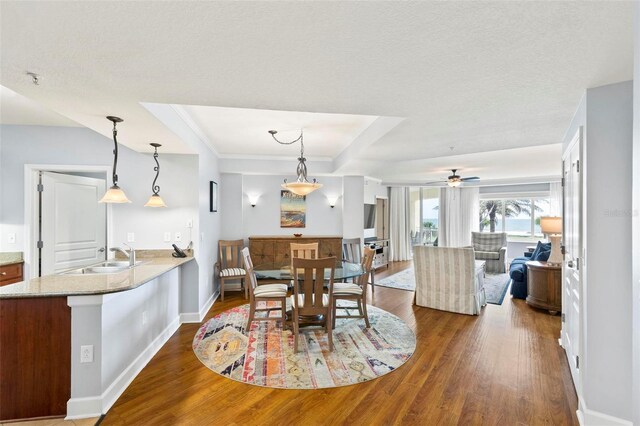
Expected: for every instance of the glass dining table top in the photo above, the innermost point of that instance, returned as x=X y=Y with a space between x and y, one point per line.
x=282 y=271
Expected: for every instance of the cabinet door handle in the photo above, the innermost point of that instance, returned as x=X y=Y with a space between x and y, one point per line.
x=3 y=273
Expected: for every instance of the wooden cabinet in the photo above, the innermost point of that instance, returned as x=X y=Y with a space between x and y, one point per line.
x=544 y=286
x=267 y=249
x=10 y=274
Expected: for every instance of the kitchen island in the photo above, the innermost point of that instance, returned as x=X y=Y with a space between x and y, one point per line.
x=71 y=344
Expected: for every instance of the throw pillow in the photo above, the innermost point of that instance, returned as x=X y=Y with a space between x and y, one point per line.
x=544 y=252
x=536 y=251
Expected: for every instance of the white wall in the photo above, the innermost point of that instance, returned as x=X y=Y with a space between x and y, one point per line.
x=636 y=219
x=353 y=207
x=264 y=218
x=80 y=146
x=606 y=362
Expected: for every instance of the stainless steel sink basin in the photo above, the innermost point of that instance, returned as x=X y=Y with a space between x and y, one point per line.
x=104 y=268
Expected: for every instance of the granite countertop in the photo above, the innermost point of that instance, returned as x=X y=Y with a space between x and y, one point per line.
x=78 y=285
x=11 y=258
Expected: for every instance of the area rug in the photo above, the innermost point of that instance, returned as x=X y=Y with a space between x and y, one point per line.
x=495 y=287
x=264 y=356
x=403 y=280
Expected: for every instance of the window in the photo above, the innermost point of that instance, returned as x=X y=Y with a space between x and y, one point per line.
x=518 y=217
x=423 y=214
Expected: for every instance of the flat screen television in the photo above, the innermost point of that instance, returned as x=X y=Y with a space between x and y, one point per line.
x=369 y=216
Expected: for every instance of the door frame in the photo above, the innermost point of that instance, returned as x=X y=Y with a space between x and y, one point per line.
x=31 y=202
x=578 y=138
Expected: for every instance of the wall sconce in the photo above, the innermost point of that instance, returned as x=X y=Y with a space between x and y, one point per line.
x=253 y=199
x=333 y=200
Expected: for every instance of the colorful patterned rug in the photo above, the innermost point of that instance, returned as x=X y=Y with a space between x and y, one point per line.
x=265 y=357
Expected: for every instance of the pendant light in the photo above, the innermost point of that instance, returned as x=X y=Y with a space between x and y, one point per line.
x=301 y=186
x=155 y=200
x=115 y=194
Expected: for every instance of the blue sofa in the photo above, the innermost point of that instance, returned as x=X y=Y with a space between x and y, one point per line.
x=518 y=269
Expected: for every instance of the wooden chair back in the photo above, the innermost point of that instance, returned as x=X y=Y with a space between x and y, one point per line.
x=311 y=284
x=367 y=261
x=248 y=266
x=229 y=253
x=304 y=251
x=352 y=250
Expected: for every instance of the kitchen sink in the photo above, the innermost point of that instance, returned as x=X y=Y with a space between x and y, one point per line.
x=104 y=268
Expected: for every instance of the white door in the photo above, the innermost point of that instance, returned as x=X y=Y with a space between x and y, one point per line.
x=573 y=264
x=73 y=224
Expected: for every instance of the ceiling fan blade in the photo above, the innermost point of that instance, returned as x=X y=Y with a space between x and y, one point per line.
x=435 y=181
x=470 y=178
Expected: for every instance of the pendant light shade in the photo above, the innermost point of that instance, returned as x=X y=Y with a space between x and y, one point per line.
x=114 y=195
x=155 y=200
x=301 y=186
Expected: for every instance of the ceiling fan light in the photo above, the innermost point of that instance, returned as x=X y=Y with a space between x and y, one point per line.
x=301 y=188
x=114 y=195
x=155 y=201
x=454 y=183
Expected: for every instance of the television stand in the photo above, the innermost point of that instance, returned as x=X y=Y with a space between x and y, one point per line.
x=381 y=248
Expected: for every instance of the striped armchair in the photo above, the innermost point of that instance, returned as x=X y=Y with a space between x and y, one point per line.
x=492 y=248
x=448 y=279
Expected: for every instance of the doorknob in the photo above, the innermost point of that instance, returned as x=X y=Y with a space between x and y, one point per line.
x=570 y=263
x=101 y=249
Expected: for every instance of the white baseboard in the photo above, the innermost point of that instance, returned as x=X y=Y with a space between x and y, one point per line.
x=197 y=317
x=78 y=408
x=588 y=417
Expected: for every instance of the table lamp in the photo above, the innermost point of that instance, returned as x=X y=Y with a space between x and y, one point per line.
x=552 y=226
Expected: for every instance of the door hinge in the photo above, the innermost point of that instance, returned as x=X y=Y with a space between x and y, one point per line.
x=578 y=166
x=562 y=182
x=577 y=361
x=564 y=317
x=577 y=264
x=40 y=187
x=40 y=244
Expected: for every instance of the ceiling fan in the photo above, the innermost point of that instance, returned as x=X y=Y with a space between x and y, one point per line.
x=454 y=180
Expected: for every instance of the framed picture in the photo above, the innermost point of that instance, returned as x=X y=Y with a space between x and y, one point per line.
x=293 y=210
x=213 y=196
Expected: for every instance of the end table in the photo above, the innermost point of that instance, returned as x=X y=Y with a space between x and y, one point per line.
x=544 y=286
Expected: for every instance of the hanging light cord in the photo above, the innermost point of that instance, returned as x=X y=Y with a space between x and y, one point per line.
x=115 y=155
x=301 y=170
x=156 y=188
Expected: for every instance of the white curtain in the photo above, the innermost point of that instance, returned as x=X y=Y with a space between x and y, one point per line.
x=399 y=228
x=555 y=199
x=458 y=216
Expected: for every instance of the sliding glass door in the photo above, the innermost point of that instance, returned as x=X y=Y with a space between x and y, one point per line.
x=423 y=215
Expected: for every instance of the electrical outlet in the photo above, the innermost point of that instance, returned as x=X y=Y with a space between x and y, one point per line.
x=190 y=223
x=178 y=236
x=12 y=238
x=144 y=318
x=167 y=237
x=131 y=237
x=86 y=353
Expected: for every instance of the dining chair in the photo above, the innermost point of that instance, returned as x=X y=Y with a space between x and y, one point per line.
x=351 y=250
x=354 y=291
x=263 y=293
x=309 y=299
x=304 y=251
x=229 y=264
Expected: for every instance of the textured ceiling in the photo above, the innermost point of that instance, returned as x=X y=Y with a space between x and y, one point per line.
x=478 y=76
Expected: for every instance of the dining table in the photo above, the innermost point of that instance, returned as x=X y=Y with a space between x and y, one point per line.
x=281 y=271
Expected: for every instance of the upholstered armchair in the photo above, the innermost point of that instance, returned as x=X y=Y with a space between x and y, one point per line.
x=492 y=248
x=448 y=279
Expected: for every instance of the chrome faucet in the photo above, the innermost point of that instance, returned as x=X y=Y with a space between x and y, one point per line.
x=131 y=255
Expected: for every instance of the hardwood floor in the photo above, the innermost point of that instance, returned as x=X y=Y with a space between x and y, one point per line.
x=503 y=367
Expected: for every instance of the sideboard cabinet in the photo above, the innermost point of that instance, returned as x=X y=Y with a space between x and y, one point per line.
x=267 y=249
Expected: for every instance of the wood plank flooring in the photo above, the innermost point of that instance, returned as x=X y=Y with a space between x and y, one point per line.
x=503 y=367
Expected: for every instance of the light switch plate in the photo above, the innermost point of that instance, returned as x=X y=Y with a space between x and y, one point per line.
x=167 y=237
x=12 y=238
x=178 y=236
x=131 y=237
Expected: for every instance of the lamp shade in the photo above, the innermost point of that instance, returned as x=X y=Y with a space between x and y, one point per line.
x=301 y=188
x=114 y=195
x=551 y=225
x=155 y=201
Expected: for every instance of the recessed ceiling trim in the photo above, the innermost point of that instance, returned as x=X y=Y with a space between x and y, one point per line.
x=184 y=116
